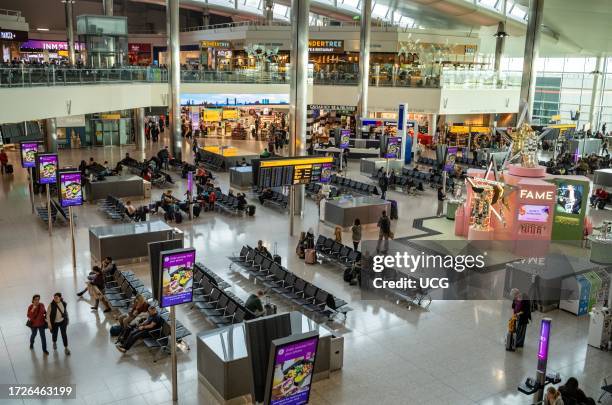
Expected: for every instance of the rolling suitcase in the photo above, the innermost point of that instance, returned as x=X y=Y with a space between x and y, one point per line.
x=310 y=256
x=9 y=169
x=178 y=217
x=197 y=208
x=250 y=210
x=510 y=341
x=393 y=214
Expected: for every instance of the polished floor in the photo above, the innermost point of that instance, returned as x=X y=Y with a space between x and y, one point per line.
x=452 y=353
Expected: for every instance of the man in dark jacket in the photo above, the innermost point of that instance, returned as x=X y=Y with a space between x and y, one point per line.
x=521 y=305
x=384 y=227
x=383 y=183
x=164 y=156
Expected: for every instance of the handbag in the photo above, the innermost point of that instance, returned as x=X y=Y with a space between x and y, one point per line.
x=29 y=323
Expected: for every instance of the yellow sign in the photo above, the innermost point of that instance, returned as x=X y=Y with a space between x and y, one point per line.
x=227 y=150
x=231 y=114
x=297 y=161
x=214 y=44
x=211 y=115
x=480 y=129
x=110 y=116
x=556 y=117
x=459 y=129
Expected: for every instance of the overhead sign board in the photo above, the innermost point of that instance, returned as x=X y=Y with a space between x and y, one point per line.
x=325 y=45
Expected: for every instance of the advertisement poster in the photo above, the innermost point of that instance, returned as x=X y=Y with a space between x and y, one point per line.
x=28 y=154
x=569 y=198
x=451 y=156
x=345 y=135
x=394 y=147
x=177 y=277
x=190 y=182
x=231 y=114
x=326 y=173
x=195 y=118
x=533 y=213
x=70 y=190
x=293 y=370
x=211 y=115
x=47 y=168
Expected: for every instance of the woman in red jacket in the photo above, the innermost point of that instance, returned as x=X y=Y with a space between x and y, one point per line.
x=36 y=321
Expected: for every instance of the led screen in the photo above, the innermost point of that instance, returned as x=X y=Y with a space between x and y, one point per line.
x=533 y=213
x=177 y=277
x=569 y=198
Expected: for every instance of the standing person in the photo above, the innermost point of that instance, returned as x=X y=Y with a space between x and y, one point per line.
x=384 y=227
x=3 y=161
x=97 y=290
x=57 y=320
x=356 y=233
x=37 y=322
x=338 y=234
x=604 y=147
x=521 y=307
x=441 y=198
x=383 y=183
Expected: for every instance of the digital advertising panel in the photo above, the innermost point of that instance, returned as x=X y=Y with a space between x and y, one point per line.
x=176 y=277
x=70 y=188
x=345 y=136
x=451 y=156
x=29 y=150
x=533 y=213
x=569 y=198
x=46 y=165
x=292 y=370
x=394 y=147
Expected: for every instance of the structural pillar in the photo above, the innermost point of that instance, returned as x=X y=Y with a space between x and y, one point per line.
x=174 y=79
x=596 y=93
x=51 y=139
x=298 y=95
x=364 y=57
x=70 y=31
x=205 y=18
x=139 y=128
x=107 y=6
x=268 y=11
x=500 y=42
x=532 y=44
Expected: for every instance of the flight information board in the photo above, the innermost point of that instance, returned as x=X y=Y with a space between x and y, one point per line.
x=293 y=171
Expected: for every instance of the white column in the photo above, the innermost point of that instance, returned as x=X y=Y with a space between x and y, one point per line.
x=174 y=79
x=596 y=93
x=364 y=57
x=532 y=43
x=70 y=31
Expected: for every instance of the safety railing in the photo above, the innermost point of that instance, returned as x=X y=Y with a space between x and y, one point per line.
x=11 y=13
x=26 y=76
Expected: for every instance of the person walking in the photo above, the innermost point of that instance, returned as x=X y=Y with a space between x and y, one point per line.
x=521 y=307
x=57 y=320
x=441 y=198
x=384 y=227
x=3 y=161
x=604 y=147
x=356 y=233
x=383 y=183
x=37 y=323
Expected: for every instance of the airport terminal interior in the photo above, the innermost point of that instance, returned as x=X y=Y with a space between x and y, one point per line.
x=323 y=202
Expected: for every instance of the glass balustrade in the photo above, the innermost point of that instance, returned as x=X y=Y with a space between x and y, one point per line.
x=26 y=76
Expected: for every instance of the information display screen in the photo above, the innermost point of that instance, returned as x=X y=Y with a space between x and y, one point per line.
x=288 y=172
x=28 y=153
x=70 y=188
x=394 y=147
x=46 y=165
x=533 y=213
x=569 y=198
x=292 y=373
x=177 y=277
x=345 y=136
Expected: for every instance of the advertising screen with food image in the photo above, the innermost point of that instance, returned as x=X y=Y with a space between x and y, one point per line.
x=533 y=213
x=394 y=147
x=177 y=276
x=345 y=137
x=47 y=168
x=70 y=190
x=28 y=154
x=293 y=370
x=569 y=198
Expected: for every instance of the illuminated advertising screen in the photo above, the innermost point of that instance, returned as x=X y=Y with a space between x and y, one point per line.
x=292 y=171
x=533 y=213
x=176 y=277
x=46 y=164
x=70 y=188
x=544 y=344
x=345 y=136
x=326 y=173
x=394 y=147
x=451 y=156
x=28 y=153
x=569 y=198
x=293 y=368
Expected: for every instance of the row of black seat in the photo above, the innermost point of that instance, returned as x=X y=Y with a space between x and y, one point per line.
x=219 y=307
x=114 y=209
x=275 y=198
x=289 y=286
x=121 y=288
x=462 y=160
x=336 y=251
x=312 y=189
x=353 y=185
x=229 y=203
x=210 y=160
x=56 y=210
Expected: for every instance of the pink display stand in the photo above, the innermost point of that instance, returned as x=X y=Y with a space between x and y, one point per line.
x=460 y=221
x=474 y=234
x=520 y=171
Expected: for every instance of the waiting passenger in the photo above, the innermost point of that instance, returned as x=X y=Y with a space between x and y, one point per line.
x=142 y=331
x=356 y=233
x=212 y=199
x=265 y=195
x=242 y=202
x=553 y=397
x=338 y=234
x=265 y=153
x=36 y=321
x=130 y=210
x=254 y=304
x=139 y=306
x=260 y=248
x=57 y=320
x=3 y=161
x=96 y=290
x=309 y=242
x=108 y=267
x=571 y=394
x=384 y=227
x=164 y=156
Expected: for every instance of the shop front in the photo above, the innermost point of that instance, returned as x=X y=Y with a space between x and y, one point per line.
x=331 y=61
x=10 y=41
x=324 y=120
x=188 y=55
x=111 y=129
x=71 y=132
x=139 y=54
x=216 y=55
x=44 y=51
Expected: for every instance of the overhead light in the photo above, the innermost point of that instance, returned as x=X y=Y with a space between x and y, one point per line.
x=42 y=29
x=501 y=34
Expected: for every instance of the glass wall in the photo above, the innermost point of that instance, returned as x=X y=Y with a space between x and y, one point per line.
x=564 y=86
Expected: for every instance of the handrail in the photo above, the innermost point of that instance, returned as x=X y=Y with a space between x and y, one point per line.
x=15 y=13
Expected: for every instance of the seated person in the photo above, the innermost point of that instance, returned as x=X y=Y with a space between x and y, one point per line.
x=420 y=186
x=92 y=162
x=167 y=201
x=108 y=266
x=242 y=202
x=139 y=306
x=243 y=162
x=126 y=161
x=265 y=153
x=200 y=175
x=254 y=304
x=107 y=169
x=571 y=394
x=265 y=195
x=141 y=331
x=130 y=210
x=260 y=248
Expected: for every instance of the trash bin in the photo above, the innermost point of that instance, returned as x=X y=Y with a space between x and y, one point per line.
x=336 y=353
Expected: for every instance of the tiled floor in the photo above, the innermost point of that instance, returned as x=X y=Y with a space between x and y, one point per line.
x=451 y=354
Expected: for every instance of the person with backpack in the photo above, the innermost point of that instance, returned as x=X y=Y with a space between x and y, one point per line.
x=36 y=322
x=384 y=227
x=3 y=161
x=57 y=320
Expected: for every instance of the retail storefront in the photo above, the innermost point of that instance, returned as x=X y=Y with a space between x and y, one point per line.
x=188 y=55
x=139 y=54
x=40 y=50
x=9 y=43
x=216 y=55
x=71 y=132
